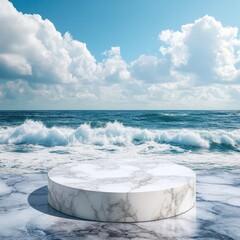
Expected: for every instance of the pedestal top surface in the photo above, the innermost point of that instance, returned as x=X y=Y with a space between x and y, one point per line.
x=121 y=176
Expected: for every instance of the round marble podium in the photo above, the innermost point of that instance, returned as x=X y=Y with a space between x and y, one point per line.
x=121 y=191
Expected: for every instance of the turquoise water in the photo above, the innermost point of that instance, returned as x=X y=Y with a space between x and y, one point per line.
x=203 y=140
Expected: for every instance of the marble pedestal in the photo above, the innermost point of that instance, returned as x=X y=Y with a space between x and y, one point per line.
x=126 y=191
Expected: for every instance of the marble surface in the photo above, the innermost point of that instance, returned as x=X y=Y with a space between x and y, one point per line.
x=126 y=191
x=25 y=214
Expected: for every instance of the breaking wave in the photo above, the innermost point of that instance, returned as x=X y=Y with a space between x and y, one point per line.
x=167 y=117
x=115 y=133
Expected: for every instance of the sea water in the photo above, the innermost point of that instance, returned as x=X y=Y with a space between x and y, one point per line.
x=35 y=141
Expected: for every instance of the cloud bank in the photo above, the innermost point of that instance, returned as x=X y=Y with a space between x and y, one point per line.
x=198 y=68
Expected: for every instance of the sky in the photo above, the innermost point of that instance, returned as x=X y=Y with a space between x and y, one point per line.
x=109 y=54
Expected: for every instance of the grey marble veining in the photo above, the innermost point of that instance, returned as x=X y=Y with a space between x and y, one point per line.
x=130 y=191
x=25 y=214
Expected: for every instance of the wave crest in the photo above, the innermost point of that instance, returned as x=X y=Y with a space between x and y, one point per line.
x=36 y=133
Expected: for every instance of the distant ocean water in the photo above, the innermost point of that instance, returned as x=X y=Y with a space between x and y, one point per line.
x=35 y=141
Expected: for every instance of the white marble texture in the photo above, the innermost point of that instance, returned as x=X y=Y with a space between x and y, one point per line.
x=126 y=191
x=25 y=214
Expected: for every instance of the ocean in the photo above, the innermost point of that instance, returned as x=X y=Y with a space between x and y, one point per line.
x=36 y=141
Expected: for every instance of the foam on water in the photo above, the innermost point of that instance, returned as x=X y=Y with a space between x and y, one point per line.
x=205 y=141
x=42 y=159
x=116 y=134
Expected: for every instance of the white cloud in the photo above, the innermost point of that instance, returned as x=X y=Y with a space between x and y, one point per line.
x=113 y=68
x=32 y=49
x=198 y=67
x=151 y=69
x=204 y=48
x=14 y=65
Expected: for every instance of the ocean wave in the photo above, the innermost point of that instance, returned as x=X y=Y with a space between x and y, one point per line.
x=115 y=133
x=165 y=117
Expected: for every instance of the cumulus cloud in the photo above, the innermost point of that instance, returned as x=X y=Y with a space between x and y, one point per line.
x=113 y=68
x=198 y=67
x=151 y=69
x=32 y=49
x=204 y=48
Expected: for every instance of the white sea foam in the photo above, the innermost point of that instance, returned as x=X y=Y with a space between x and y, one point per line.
x=42 y=159
x=116 y=134
x=174 y=114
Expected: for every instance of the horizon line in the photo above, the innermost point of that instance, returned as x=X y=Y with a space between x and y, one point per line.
x=119 y=110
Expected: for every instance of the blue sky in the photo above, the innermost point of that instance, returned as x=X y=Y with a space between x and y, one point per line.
x=128 y=54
